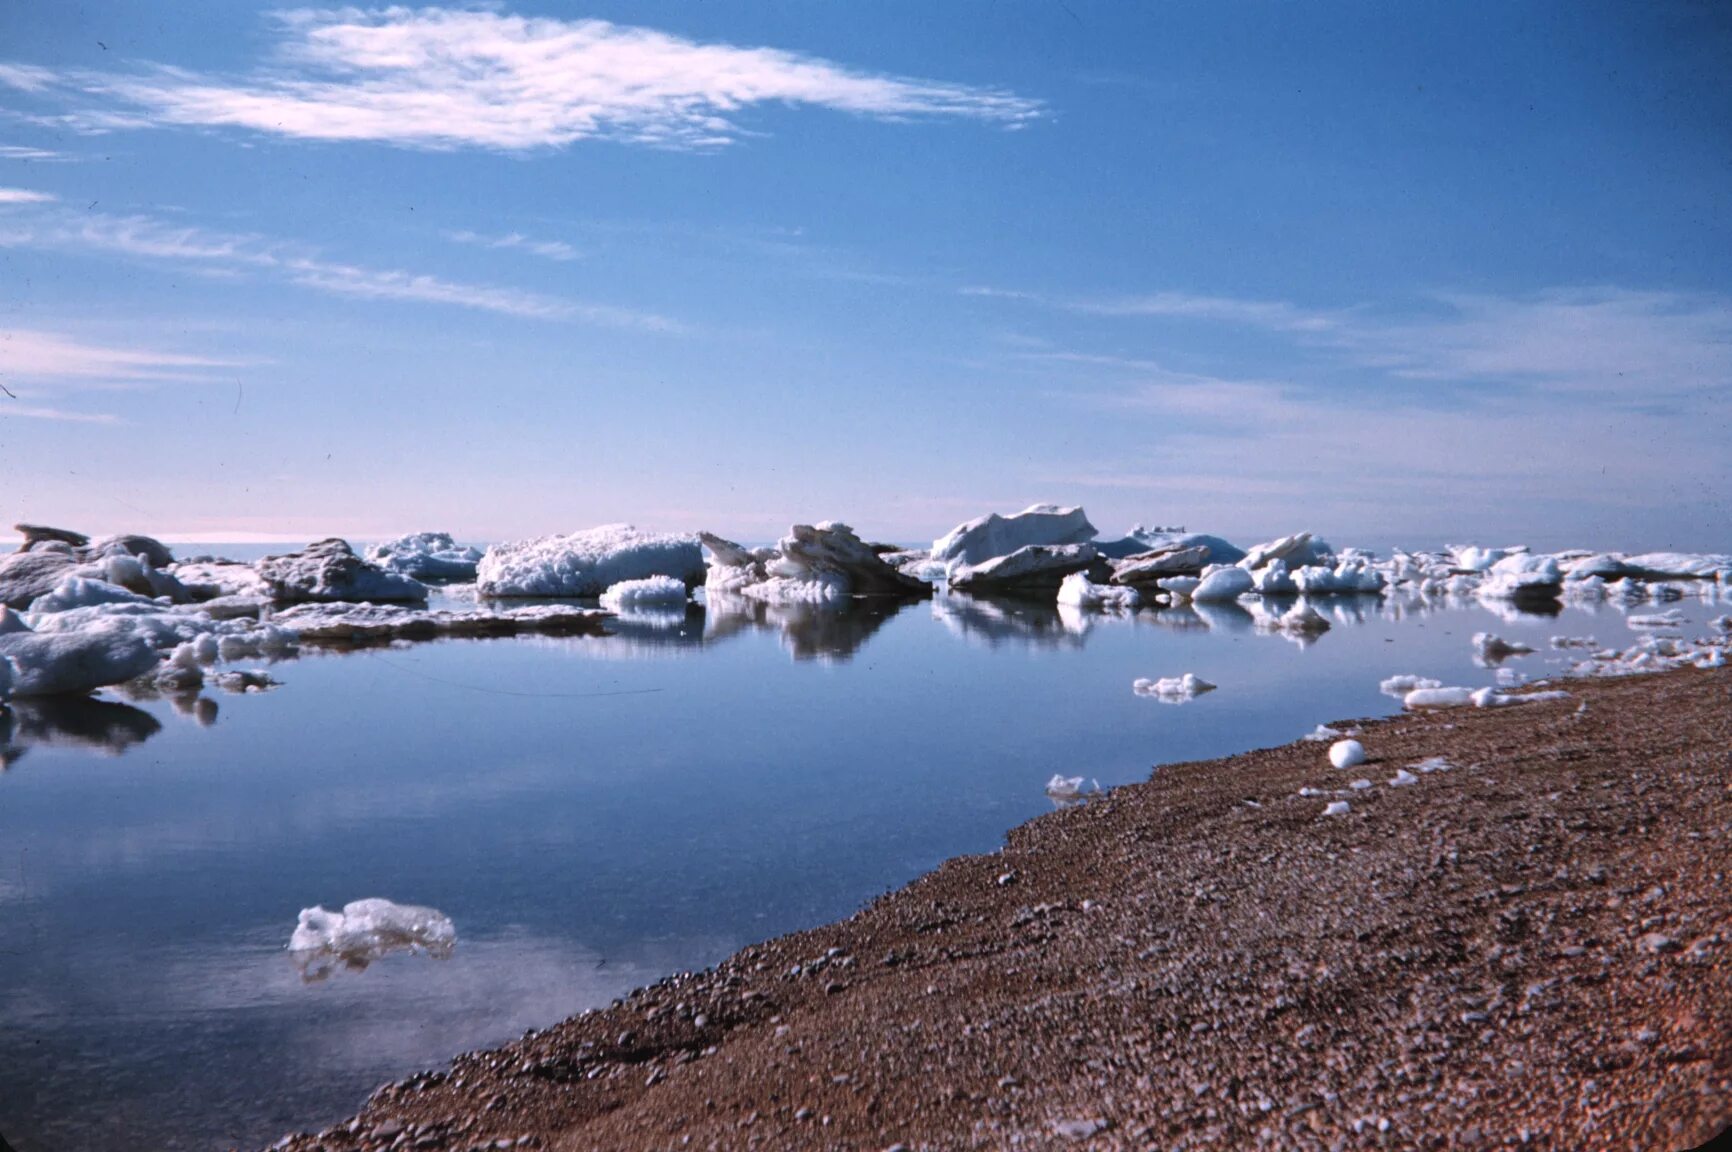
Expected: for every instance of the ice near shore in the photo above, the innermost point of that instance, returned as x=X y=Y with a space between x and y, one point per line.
x=364 y=932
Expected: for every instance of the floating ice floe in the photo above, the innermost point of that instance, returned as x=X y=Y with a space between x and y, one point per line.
x=1490 y=649
x=1522 y=579
x=1474 y=559
x=366 y=931
x=813 y=563
x=1346 y=753
x=1144 y=569
x=376 y=623
x=992 y=537
x=1032 y=568
x=652 y=590
x=1222 y=584
x=585 y=564
x=433 y=556
x=329 y=571
x=1296 y=551
x=1671 y=618
x=48 y=664
x=1079 y=591
x=1173 y=689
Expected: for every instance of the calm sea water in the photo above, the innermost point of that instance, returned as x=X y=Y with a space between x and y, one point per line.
x=592 y=813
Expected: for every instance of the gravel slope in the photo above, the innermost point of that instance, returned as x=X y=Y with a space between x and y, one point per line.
x=1533 y=948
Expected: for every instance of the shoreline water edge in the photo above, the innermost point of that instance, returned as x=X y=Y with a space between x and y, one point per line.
x=1499 y=926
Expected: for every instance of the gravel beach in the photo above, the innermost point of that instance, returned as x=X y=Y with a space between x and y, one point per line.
x=1529 y=945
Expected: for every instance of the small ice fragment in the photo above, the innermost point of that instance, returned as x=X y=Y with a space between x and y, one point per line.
x=1310 y=791
x=1360 y=785
x=1323 y=732
x=1399 y=686
x=1402 y=778
x=1490 y=648
x=1337 y=808
x=1172 y=689
x=1346 y=753
x=1433 y=764
x=1068 y=787
x=649 y=590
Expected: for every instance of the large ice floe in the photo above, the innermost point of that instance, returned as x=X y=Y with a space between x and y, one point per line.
x=364 y=932
x=426 y=556
x=813 y=563
x=1030 y=551
x=585 y=564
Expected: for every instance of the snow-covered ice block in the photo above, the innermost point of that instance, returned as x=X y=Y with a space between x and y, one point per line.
x=79 y=592
x=586 y=563
x=328 y=571
x=1346 y=753
x=982 y=539
x=426 y=556
x=49 y=664
x=664 y=590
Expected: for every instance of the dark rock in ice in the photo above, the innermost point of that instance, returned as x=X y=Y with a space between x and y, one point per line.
x=328 y=571
x=35 y=534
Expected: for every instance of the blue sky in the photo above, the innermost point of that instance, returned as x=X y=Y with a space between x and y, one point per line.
x=1395 y=274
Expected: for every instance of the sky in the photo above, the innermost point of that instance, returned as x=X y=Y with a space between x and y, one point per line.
x=1394 y=274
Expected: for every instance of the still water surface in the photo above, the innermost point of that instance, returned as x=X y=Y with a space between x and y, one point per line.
x=592 y=813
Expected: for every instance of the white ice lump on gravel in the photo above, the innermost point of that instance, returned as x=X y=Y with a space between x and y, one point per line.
x=1346 y=753
x=650 y=590
x=1338 y=808
x=587 y=563
x=1172 y=688
x=1062 y=787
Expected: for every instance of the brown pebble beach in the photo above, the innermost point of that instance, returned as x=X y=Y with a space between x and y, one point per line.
x=1531 y=949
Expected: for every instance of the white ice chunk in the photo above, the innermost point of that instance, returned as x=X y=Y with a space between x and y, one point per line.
x=366 y=931
x=1338 y=808
x=1360 y=785
x=1490 y=648
x=1438 y=697
x=1400 y=686
x=1219 y=585
x=663 y=590
x=1062 y=787
x=55 y=663
x=1671 y=618
x=1321 y=733
x=587 y=563
x=1402 y=778
x=79 y=592
x=1081 y=592
x=1173 y=689
x=987 y=537
x=1346 y=753
x=426 y=556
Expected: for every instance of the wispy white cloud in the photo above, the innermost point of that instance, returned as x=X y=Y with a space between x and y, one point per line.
x=35 y=356
x=37 y=412
x=547 y=249
x=24 y=196
x=449 y=78
x=226 y=253
x=37 y=155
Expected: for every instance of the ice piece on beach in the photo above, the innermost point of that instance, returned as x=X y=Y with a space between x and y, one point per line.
x=1338 y=808
x=1081 y=592
x=1433 y=764
x=1402 y=778
x=649 y=590
x=1489 y=648
x=987 y=537
x=1321 y=733
x=1712 y=658
x=328 y=571
x=1438 y=697
x=1346 y=753
x=1062 y=787
x=1222 y=584
x=48 y=664
x=426 y=556
x=1173 y=689
x=1360 y=785
x=1400 y=686
x=366 y=931
x=586 y=563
